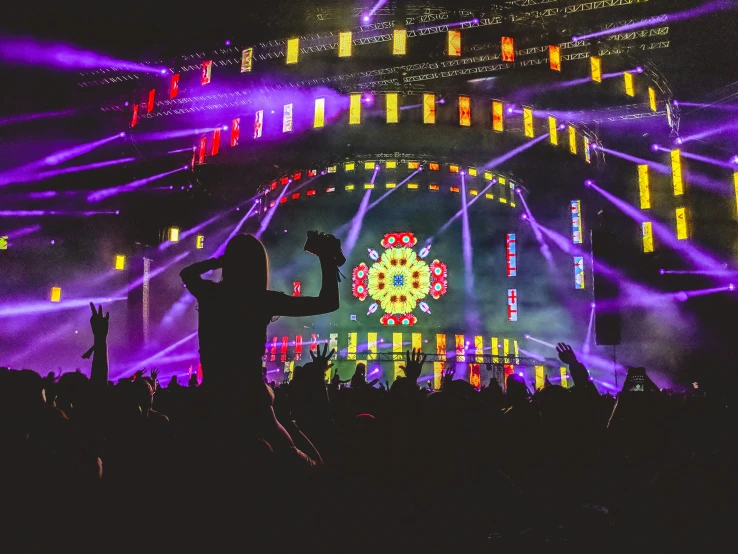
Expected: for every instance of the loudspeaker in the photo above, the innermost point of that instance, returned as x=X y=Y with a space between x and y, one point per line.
x=606 y=290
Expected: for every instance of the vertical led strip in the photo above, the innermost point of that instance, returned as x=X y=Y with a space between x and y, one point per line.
x=553 y=131
x=511 y=255
x=215 y=148
x=647 y=232
x=351 y=350
x=319 y=115
x=572 y=139
x=355 y=109
x=397 y=351
x=576 y=221
x=644 y=187
x=681 y=224
x=293 y=50
x=735 y=188
x=417 y=341
x=540 y=377
x=258 y=124
x=429 y=108
x=235 y=131
x=440 y=361
x=298 y=347
x=146 y=295
x=393 y=113
x=498 y=116
x=629 y=84
x=247 y=60
x=652 y=99
x=528 y=122
x=460 y=348
x=283 y=349
x=564 y=379
x=287 y=119
x=464 y=111
x=345 y=43
x=495 y=350
x=512 y=308
x=554 y=57
x=676 y=172
x=587 y=150
x=508 y=49
x=399 y=42
x=579 y=272
x=475 y=377
x=595 y=65
x=454 y=43
x=371 y=346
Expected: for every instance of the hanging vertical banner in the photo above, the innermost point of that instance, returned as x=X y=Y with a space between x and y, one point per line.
x=540 y=377
x=287 y=118
x=528 y=122
x=553 y=131
x=215 y=148
x=438 y=365
x=371 y=346
x=454 y=43
x=464 y=111
x=399 y=42
x=587 y=150
x=595 y=65
x=298 y=347
x=355 y=109
x=313 y=342
x=319 y=114
x=460 y=348
x=735 y=189
x=397 y=354
x=564 y=379
x=134 y=118
x=247 y=60
x=579 y=272
x=554 y=57
x=258 y=123
x=652 y=102
x=235 y=131
x=207 y=68
x=296 y=288
x=174 y=86
x=150 y=101
x=293 y=50
x=512 y=256
x=201 y=152
x=393 y=113
x=572 y=139
x=429 y=108
x=576 y=221
x=508 y=49
x=647 y=232
x=498 y=117
x=512 y=306
x=273 y=351
x=644 y=187
x=629 y=84
x=681 y=224
x=676 y=172
x=345 y=42
x=351 y=349
x=283 y=349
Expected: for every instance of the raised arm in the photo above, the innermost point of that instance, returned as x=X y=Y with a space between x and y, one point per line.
x=100 y=325
x=191 y=275
x=325 y=302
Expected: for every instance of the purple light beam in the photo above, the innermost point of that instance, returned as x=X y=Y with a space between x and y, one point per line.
x=100 y=195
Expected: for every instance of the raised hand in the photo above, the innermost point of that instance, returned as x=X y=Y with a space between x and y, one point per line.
x=154 y=375
x=448 y=376
x=100 y=324
x=321 y=361
x=413 y=365
x=566 y=354
x=138 y=375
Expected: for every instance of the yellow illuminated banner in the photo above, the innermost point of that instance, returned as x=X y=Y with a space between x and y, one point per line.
x=506 y=347
x=355 y=109
x=454 y=43
x=595 y=64
x=540 y=377
x=371 y=346
x=429 y=108
x=293 y=50
x=247 y=60
x=498 y=116
x=528 y=122
x=351 y=351
x=369 y=165
x=629 y=84
x=55 y=294
x=120 y=262
x=417 y=341
x=647 y=231
x=319 y=117
x=438 y=366
x=393 y=113
x=464 y=111
x=644 y=187
x=554 y=57
x=478 y=349
x=652 y=99
x=572 y=139
x=564 y=379
x=397 y=354
x=345 y=42
x=735 y=186
x=399 y=42
x=681 y=224
x=460 y=348
x=495 y=350
x=553 y=131
x=676 y=172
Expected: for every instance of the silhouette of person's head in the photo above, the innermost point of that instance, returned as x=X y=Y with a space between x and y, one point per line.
x=246 y=264
x=361 y=369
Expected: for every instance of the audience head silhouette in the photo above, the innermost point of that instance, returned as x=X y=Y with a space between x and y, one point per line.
x=246 y=263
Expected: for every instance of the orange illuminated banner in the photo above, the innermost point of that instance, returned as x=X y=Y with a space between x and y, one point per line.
x=454 y=43
x=174 y=86
x=247 y=60
x=596 y=68
x=528 y=122
x=554 y=57
x=464 y=111
x=498 y=117
x=429 y=108
x=508 y=49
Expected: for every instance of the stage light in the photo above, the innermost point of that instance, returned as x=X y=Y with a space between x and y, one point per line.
x=464 y=111
x=247 y=60
x=676 y=172
x=572 y=140
x=662 y=271
x=413 y=165
x=429 y=108
x=390 y=185
x=368 y=165
x=681 y=224
x=345 y=42
x=295 y=196
x=393 y=113
x=453 y=168
x=731 y=286
x=399 y=42
x=489 y=196
x=355 y=109
x=368 y=186
x=655 y=148
x=55 y=295
x=293 y=50
x=679 y=140
x=472 y=172
x=174 y=234
x=120 y=262
x=734 y=160
x=652 y=102
x=200 y=242
x=639 y=69
x=454 y=43
x=455 y=189
x=331 y=169
x=576 y=221
x=475 y=21
x=588 y=183
x=528 y=122
x=647 y=233
x=350 y=187
x=595 y=64
x=390 y=164
x=348 y=166
x=366 y=19
x=644 y=186
x=508 y=49
x=553 y=129
x=473 y=192
x=488 y=175
x=575 y=39
x=412 y=186
x=434 y=166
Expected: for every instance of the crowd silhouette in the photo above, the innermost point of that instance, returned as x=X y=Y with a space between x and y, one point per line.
x=314 y=465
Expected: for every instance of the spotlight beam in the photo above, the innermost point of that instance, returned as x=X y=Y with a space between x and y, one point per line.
x=514 y=152
x=27 y=308
x=162 y=353
x=99 y=195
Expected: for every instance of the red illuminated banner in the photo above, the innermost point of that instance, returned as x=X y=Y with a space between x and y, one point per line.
x=258 y=123
x=174 y=86
x=235 y=131
x=554 y=57
x=273 y=353
x=508 y=49
x=298 y=347
x=216 y=143
x=201 y=152
x=313 y=342
x=134 y=119
x=207 y=68
x=150 y=101
x=283 y=350
x=296 y=288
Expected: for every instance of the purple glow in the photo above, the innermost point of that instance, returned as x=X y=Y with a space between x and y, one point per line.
x=661 y=168
x=458 y=214
x=705 y=159
x=30 y=177
x=588 y=337
x=466 y=242
x=65 y=155
x=717 y=272
x=179 y=133
x=514 y=152
x=99 y=195
x=589 y=183
x=366 y=19
x=148 y=361
x=41 y=213
x=27 y=308
x=133 y=285
x=227 y=42
x=25 y=118
x=711 y=132
x=390 y=191
x=683 y=296
x=178 y=150
x=712 y=105
x=26 y=51
x=17 y=233
x=545 y=250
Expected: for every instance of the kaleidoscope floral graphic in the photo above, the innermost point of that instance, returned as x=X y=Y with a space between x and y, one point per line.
x=399 y=280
